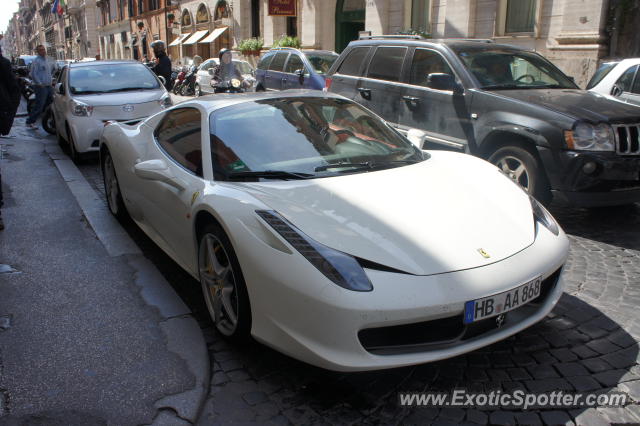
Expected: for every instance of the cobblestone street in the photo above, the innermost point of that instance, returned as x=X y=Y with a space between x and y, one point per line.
x=588 y=344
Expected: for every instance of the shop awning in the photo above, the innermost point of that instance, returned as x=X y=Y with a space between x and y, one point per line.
x=180 y=39
x=214 y=35
x=195 y=37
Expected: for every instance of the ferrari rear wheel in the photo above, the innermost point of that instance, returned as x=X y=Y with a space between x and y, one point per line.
x=223 y=285
x=112 y=188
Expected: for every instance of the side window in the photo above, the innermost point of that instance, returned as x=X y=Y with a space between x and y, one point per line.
x=427 y=62
x=265 y=61
x=625 y=81
x=352 y=63
x=179 y=136
x=294 y=63
x=208 y=65
x=278 y=62
x=636 y=85
x=387 y=63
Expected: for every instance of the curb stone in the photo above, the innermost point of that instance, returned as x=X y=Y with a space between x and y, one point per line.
x=182 y=332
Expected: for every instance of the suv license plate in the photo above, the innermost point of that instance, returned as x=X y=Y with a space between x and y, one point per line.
x=476 y=310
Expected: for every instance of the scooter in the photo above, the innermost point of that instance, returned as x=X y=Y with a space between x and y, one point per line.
x=177 y=85
x=232 y=86
x=188 y=87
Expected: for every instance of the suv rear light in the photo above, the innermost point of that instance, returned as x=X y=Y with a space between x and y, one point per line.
x=327 y=83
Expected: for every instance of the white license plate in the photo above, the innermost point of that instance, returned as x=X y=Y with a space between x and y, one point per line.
x=487 y=307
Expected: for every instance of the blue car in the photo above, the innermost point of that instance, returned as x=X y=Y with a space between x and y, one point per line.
x=288 y=68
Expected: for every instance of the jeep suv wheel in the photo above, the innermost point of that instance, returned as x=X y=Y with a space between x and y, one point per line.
x=523 y=168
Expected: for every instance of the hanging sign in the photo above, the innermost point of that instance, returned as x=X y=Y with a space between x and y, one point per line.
x=282 y=7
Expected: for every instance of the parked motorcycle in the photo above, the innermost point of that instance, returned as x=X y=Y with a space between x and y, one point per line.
x=177 y=85
x=188 y=87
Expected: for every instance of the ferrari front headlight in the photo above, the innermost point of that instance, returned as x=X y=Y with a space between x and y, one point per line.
x=542 y=216
x=341 y=268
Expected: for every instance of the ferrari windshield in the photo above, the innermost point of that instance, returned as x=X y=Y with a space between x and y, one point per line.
x=111 y=78
x=512 y=69
x=303 y=137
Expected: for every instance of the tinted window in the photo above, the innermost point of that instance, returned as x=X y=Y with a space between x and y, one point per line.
x=352 y=63
x=626 y=80
x=427 y=62
x=179 y=136
x=278 y=62
x=497 y=69
x=387 y=63
x=636 y=85
x=295 y=63
x=321 y=62
x=601 y=73
x=265 y=61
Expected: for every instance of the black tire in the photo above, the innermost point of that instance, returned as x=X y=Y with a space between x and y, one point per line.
x=112 y=187
x=215 y=281
x=184 y=91
x=73 y=152
x=176 y=89
x=61 y=141
x=259 y=88
x=522 y=166
x=49 y=121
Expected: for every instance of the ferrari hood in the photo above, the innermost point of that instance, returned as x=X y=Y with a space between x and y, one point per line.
x=444 y=214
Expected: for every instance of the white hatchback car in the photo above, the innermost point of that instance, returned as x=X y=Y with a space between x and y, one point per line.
x=91 y=93
x=618 y=79
x=203 y=79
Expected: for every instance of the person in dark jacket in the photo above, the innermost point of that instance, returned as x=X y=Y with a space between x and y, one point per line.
x=163 y=63
x=9 y=100
x=224 y=72
x=9 y=96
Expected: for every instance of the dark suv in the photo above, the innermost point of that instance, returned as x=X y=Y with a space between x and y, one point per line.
x=507 y=105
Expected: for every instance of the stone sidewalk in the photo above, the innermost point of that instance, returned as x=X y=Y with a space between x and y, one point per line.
x=90 y=332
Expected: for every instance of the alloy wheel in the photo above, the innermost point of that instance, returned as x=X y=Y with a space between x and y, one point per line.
x=516 y=170
x=219 y=284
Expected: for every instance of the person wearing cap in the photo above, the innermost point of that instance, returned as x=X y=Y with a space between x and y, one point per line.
x=224 y=72
x=163 y=63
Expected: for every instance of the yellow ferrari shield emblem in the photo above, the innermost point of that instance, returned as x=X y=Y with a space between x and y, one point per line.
x=483 y=253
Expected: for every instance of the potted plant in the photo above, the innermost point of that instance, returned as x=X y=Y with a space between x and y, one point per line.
x=288 y=41
x=251 y=46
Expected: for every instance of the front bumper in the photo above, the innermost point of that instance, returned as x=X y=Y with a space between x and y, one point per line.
x=587 y=179
x=296 y=310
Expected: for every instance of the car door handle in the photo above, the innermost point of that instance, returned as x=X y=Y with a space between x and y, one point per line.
x=412 y=99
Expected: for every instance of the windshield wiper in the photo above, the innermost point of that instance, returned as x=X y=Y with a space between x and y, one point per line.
x=270 y=174
x=125 y=89
x=372 y=165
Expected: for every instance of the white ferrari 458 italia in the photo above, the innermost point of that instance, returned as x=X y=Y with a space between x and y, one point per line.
x=319 y=230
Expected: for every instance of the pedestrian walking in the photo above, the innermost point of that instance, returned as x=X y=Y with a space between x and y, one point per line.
x=9 y=96
x=41 y=72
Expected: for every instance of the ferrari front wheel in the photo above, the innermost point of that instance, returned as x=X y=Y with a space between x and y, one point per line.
x=223 y=285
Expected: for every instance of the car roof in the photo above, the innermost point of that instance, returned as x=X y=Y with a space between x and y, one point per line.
x=106 y=62
x=217 y=101
x=286 y=49
x=467 y=44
